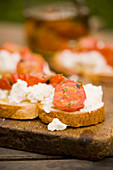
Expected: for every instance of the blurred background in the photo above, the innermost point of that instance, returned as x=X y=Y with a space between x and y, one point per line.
x=12 y=11
x=56 y=26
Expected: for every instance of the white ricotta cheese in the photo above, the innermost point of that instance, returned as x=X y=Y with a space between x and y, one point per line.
x=3 y=94
x=38 y=93
x=56 y=125
x=93 y=98
x=43 y=93
x=18 y=92
x=90 y=61
x=8 y=61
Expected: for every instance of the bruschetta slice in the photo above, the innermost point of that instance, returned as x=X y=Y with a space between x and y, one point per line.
x=90 y=58
x=15 y=58
x=71 y=103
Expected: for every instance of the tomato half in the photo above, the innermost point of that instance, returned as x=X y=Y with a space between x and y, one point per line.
x=14 y=77
x=30 y=79
x=31 y=63
x=107 y=52
x=36 y=78
x=25 y=53
x=87 y=44
x=54 y=80
x=5 y=83
x=69 y=96
x=11 y=47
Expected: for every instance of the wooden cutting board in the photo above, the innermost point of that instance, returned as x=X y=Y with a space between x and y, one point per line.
x=94 y=142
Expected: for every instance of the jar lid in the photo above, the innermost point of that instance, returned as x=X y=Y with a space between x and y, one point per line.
x=56 y=11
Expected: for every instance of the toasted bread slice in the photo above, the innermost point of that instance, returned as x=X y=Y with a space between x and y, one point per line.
x=18 y=111
x=74 y=119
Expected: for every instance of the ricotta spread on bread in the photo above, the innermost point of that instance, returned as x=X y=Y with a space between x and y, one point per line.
x=18 y=92
x=56 y=124
x=44 y=93
x=91 y=61
x=40 y=97
x=3 y=94
x=38 y=93
x=8 y=61
x=93 y=98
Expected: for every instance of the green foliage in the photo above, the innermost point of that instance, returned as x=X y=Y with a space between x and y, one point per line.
x=102 y=8
x=12 y=10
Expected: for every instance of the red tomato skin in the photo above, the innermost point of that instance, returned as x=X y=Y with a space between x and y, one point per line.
x=87 y=44
x=25 y=53
x=11 y=47
x=14 y=77
x=30 y=79
x=43 y=78
x=30 y=63
x=70 y=100
x=107 y=52
x=5 y=83
x=54 y=80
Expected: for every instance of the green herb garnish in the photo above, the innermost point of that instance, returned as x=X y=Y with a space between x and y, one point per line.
x=0 y=76
x=62 y=82
x=79 y=81
x=64 y=90
x=78 y=86
x=35 y=75
x=68 y=105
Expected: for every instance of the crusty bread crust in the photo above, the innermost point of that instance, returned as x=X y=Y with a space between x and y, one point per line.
x=18 y=111
x=58 y=66
x=31 y=111
x=74 y=119
x=102 y=78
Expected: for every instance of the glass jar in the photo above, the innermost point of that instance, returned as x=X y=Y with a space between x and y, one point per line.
x=55 y=26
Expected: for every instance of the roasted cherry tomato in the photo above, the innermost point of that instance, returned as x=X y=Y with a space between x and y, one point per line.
x=87 y=44
x=107 y=52
x=11 y=47
x=30 y=79
x=26 y=53
x=14 y=77
x=36 y=78
x=5 y=83
x=69 y=96
x=54 y=80
x=32 y=64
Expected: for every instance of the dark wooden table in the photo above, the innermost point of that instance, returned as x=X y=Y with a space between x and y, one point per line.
x=11 y=159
